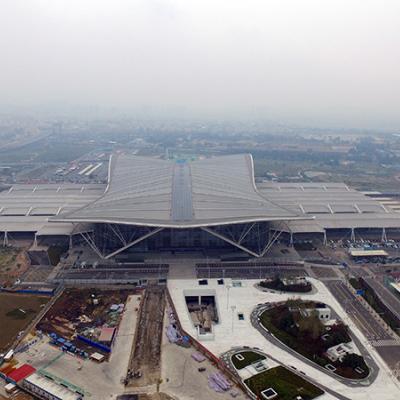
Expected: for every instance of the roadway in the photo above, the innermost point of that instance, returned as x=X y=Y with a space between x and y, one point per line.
x=385 y=295
x=372 y=328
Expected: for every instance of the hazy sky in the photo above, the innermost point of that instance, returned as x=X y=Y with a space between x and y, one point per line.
x=333 y=62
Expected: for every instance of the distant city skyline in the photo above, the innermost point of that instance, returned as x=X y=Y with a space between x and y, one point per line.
x=313 y=63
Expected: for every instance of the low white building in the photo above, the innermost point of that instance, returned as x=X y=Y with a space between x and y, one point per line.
x=48 y=389
x=339 y=351
x=10 y=388
x=323 y=313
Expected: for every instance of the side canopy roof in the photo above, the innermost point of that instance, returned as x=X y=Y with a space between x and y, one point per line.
x=160 y=193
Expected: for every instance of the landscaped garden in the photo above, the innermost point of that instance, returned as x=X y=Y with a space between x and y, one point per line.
x=294 y=285
x=284 y=383
x=296 y=324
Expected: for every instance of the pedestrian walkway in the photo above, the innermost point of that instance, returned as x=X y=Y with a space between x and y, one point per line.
x=385 y=342
x=182 y=269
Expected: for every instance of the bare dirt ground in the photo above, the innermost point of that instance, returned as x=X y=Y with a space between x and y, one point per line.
x=18 y=396
x=155 y=396
x=146 y=352
x=13 y=264
x=16 y=312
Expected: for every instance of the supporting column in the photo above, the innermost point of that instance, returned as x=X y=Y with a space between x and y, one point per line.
x=5 y=241
x=35 y=241
x=70 y=242
x=325 y=238
x=384 y=237
x=291 y=239
x=353 y=235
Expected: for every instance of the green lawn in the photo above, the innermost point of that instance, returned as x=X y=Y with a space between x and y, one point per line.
x=287 y=384
x=281 y=335
x=249 y=358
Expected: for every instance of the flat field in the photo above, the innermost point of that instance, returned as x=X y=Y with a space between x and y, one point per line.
x=16 y=312
x=13 y=263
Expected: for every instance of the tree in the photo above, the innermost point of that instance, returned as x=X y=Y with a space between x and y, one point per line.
x=310 y=325
x=286 y=321
x=353 y=361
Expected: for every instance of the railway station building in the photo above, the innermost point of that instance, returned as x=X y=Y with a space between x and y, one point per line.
x=151 y=204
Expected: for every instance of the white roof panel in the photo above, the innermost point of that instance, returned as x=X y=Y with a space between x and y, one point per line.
x=349 y=208
x=155 y=192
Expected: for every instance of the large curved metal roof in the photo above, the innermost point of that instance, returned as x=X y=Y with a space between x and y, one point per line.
x=153 y=192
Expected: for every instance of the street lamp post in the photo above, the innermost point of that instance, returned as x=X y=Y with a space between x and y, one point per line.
x=233 y=309
x=227 y=296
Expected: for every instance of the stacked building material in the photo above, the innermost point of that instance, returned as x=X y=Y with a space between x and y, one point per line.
x=172 y=334
x=198 y=357
x=218 y=382
x=195 y=318
x=171 y=316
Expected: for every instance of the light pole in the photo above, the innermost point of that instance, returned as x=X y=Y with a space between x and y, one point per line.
x=227 y=296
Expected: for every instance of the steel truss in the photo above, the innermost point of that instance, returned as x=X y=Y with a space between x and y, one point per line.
x=254 y=238
x=108 y=240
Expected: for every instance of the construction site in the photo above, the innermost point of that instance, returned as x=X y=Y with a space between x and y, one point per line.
x=85 y=320
x=145 y=361
x=203 y=312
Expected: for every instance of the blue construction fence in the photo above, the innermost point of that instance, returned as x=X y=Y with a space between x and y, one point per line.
x=94 y=344
x=49 y=292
